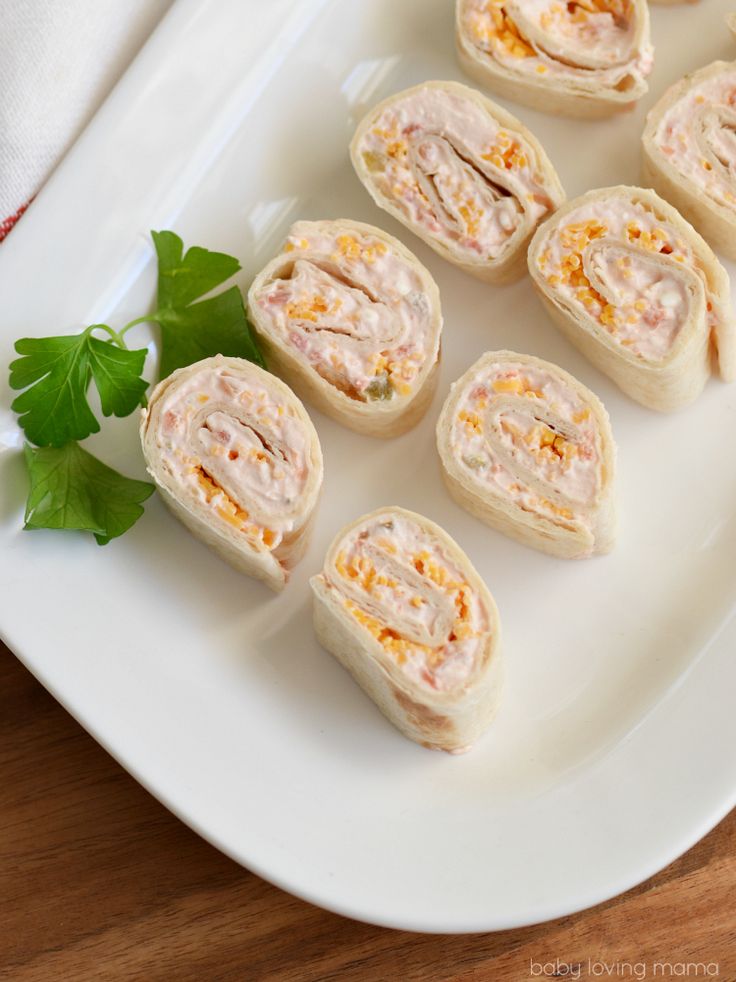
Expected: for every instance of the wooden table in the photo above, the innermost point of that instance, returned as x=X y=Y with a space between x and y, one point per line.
x=99 y=881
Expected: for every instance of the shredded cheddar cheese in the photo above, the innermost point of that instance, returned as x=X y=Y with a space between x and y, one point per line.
x=385 y=587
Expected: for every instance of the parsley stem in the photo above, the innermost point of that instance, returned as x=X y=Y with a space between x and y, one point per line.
x=116 y=337
x=138 y=320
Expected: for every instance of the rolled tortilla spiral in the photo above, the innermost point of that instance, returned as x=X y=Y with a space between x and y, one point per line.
x=400 y=606
x=689 y=151
x=460 y=172
x=528 y=450
x=586 y=58
x=352 y=321
x=237 y=460
x=638 y=291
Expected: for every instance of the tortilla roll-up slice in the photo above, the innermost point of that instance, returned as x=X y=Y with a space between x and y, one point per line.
x=399 y=604
x=589 y=59
x=689 y=151
x=460 y=172
x=528 y=450
x=632 y=285
x=352 y=320
x=237 y=460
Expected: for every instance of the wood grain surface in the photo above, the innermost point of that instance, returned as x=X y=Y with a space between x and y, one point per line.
x=99 y=881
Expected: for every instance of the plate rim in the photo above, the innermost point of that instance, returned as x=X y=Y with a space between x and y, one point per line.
x=176 y=18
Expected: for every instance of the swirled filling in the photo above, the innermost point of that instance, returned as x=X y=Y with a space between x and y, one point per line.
x=592 y=42
x=455 y=172
x=401 y=585
x=522 y=432
x=239 y=450
x=354 y=310
x=620 y=264
x=697 y=135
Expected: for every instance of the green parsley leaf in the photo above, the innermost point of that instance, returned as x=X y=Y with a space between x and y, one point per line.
x=192 y=331
x=56 y=371
x=71 y=489
x=217 y=326
x=54 y=409
x=117 y=372
x=183 y=278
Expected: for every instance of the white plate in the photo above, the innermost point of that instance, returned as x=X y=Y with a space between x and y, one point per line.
x=613 y=751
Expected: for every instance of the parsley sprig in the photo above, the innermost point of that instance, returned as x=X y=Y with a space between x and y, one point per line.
x=70 y=488
x=191 y=331
x=55 y=373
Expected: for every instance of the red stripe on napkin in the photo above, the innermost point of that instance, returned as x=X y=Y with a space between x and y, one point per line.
x=7 y=223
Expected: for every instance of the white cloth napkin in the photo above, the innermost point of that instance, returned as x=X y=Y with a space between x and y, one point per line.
x=58 y=61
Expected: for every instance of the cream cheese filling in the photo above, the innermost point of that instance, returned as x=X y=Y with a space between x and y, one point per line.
x=631 y=272
x=521 y=432
x=238 y=450
x=354 y=310
x=697 y=135
x=456 y=172
x=594 y=42
x=399 y=582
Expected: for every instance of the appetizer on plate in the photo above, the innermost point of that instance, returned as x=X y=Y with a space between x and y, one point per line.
x=638 y=291
x=588 y=58
x=352 y=320
x=528 y=450
x=238 y=461
x=399 y=604
x=689 y=151
x=460 y=172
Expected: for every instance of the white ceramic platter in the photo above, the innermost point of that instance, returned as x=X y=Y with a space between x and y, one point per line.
x=613 y=750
